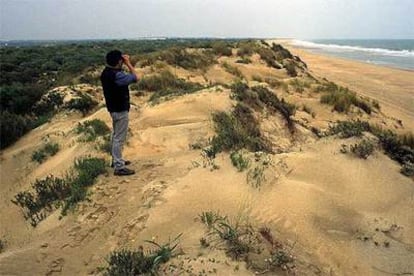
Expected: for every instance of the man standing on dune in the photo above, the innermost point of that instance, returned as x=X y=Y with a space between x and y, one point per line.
x=115 y=86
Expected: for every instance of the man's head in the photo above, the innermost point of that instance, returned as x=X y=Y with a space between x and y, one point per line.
x=113 y=58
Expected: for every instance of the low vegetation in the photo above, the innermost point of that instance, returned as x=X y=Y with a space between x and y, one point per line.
x=166 y=85
x=49 y=149
x=83 y=103
x=51 y=192
x=240 y=161
x=222 y=48
x=140 y=262
x=232 y=70
x=257 y=247
x=2 y=245
x=91 y=129
x=196 y=59
x=363 y=149
x=342 y=98
x=236 y=131
x=398 y=147
x=260 y=97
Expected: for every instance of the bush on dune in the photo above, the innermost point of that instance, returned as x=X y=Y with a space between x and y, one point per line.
x=221 y=48
x=50 y=192
x=166 y=84
x=342 y=98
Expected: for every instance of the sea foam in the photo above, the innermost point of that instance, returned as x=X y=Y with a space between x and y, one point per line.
x=347 y=48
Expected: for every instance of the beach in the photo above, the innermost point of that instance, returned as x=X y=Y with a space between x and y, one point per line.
x=392 y=87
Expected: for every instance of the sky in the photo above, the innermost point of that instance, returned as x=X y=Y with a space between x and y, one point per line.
x=117 y=19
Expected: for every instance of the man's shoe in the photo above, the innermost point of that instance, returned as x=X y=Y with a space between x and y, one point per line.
x=124 y=171
x=127 y=162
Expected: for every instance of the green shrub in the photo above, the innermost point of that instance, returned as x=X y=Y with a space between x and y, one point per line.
x=232 y=70
x=291 y=69
x=281 y=53
x=268 y=56
x=246 y=48
x=222 y=49
x=407 y=169
x=397 y=147
x=166 y=84
x=363 y=149
x=239 y=161
x=92 y=129
x=177 y=56
x=237 y=130
x=259 y=97
x=257 y=78
x=48 y=104
x=12 y=127
x=50 y=149
x=273 y=103
x=127 y=262
x=2 y=246
x=299 y=85
x=346 y=129
x=46 y=192
x=84 y=103
x=341 y=98
x=86 y=171
x=244 y=60
x=51 y=191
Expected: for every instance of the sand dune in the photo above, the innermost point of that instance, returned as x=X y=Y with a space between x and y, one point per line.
x=340 y=215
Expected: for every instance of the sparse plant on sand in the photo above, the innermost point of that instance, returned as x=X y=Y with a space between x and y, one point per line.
x=49 y=149
x=363 y=149
x=138 y=262
x=346 y=129
x=309 y=110
x=244 y=60
x=256 y=176
x=210 y=218
x=407 y=169
x=92 y=129
x=257 y=78
x=342 y=98
x=237 y=130
x=50 y=192
x=398 y=147
x=291 y=69
x=2 y=245
x=239 y=161
x=232 y=70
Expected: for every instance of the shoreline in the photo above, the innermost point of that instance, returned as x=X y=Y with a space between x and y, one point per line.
x=392 y=87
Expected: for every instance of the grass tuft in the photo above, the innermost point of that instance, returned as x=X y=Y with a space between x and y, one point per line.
x=239 y=161
x=92 y=129
x=363 y=149
x=127 y=262
x=49 y=149
x=342 y=98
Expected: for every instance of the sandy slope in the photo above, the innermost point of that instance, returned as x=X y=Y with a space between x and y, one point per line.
x=339 y=214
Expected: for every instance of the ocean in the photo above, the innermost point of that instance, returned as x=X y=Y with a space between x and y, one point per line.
x=398 y=53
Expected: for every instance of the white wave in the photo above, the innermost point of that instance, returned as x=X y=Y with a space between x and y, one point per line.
x=335 y=47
